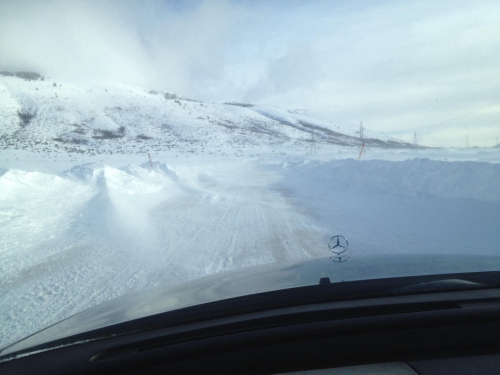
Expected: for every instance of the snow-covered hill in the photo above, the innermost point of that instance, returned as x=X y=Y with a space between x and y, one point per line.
x=50 y=116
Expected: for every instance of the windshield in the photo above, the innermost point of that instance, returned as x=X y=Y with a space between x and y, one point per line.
x=148 y=144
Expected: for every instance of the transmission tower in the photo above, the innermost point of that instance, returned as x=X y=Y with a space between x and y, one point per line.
x=312 y=150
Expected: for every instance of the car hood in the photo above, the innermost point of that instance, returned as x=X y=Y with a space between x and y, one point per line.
x=254 y=280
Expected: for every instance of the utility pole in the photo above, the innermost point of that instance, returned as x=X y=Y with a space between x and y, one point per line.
x=361 y=152
x=415 y=139
x=361 y=130
x=467 y=141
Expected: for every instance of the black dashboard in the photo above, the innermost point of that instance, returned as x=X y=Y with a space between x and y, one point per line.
x=456 y=332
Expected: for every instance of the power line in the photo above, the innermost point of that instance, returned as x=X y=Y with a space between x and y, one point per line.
x=464 y=115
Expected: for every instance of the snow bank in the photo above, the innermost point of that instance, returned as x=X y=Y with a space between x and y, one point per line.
x=412 y=206
x=130 y=179
x=85 y=200
x=472 y=180
x=35 y=209
x=14 y=182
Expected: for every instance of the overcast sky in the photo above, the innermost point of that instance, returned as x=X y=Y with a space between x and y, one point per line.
x=427 y=66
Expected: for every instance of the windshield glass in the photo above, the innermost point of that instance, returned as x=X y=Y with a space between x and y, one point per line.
x=148 y=144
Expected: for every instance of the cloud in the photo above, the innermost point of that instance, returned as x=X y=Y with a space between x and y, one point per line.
x=67 y=39
x=140 y=43
x=399 y=67
x=298 y=70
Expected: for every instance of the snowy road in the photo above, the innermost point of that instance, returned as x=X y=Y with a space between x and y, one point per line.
x=107 y=242
x=241 y=222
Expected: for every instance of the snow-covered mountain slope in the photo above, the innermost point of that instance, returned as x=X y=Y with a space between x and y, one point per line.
x=326 y=130
x=95 y=118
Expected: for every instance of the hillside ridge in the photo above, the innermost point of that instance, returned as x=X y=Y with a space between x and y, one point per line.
x=95 y=118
